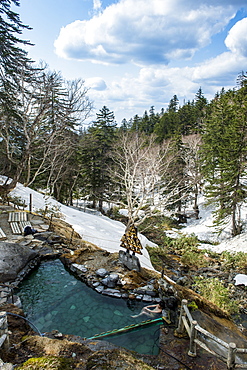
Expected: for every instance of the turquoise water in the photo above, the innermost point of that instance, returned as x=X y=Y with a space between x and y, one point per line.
x=53 y=299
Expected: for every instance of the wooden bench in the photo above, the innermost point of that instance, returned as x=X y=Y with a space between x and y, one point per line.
x=18 y=221
x=17 y=216
x=15 y=228
x=23 y=224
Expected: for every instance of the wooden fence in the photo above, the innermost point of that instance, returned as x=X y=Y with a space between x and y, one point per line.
x=187 y=323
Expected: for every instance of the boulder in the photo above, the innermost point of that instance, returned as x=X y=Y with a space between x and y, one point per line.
x=102 y=272
x=13 y=259
x=111 y=280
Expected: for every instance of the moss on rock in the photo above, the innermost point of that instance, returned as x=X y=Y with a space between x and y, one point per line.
x=49 y=363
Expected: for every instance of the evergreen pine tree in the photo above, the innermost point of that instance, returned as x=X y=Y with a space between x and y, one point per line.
x=14 y=62
x=168 y=125
x=95 y=156
x=200 y=111
x=224 y=153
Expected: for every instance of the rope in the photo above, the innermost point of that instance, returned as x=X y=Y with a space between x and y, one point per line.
x=24 y=318
x=168 y=354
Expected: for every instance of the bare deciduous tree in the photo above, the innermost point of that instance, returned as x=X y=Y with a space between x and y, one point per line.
x=48 y=111
x=142 y=172
x=192 y=144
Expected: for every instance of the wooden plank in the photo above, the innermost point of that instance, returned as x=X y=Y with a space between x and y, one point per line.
x=23 y=224
x=15 y=228
x=187 y=327
x=2 y=234
x=10 y=216
x=23 y=216
x=211 y=336
x=17 y=216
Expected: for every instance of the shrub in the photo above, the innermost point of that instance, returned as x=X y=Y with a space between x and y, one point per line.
x=184 y=244
x=197 y=259
x=51 y=211
x=214 y=290
x=157 y=255
x=235 y=261
x=17 y=201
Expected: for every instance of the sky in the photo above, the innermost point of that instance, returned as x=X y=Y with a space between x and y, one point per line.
x=134 y=54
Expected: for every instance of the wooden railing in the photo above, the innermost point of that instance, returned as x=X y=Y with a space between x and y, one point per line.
x=187 y=323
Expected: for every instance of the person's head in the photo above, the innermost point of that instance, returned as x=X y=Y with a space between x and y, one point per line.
x=162 y=305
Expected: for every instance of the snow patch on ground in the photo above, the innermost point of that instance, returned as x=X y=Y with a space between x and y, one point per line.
x=106 y=233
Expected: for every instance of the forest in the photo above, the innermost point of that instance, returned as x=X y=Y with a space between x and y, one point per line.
x=157 y=163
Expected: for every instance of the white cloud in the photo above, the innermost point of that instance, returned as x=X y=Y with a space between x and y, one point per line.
x=236 y=40
x=156 y=85
x=144 y=32
x=96 y=4
x=151 y=34
x=96 y=83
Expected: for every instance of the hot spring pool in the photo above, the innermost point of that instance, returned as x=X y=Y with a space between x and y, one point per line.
x=53 y=299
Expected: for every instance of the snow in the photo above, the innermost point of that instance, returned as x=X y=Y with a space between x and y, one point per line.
x=99 y=230
x=241 y=279
x=106 y=233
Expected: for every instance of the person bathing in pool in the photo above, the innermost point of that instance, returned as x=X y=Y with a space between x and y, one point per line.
x=151 y=310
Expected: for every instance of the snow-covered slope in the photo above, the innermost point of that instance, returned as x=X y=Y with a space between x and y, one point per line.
x=97 y=229
x=106 y=233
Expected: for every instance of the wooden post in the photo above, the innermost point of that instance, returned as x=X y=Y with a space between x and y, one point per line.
x=180 y=328
x=71 y=237
x=4 y=331
x=30 y=203
x=231 y=356
x=50 y=221
x=192 y=350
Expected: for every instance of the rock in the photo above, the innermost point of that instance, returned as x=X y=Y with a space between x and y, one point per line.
x=110 y=281
x=182 y=280
x=96 y=284
x=112 y=293
x=171 y=303
x=81 y=268
x=116 y=359
x=145 y=292
x=6 y=366
x=13 y=258
x=99 y=289
x=131 y=296
x=147 y=298
x=138 y=297
x=102 y=272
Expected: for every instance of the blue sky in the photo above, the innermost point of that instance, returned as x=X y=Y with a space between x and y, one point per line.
x=134 y=54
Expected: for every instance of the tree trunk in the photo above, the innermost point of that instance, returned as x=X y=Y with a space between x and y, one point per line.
x=5 y=189
x=100 y=205
x=196 y=209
